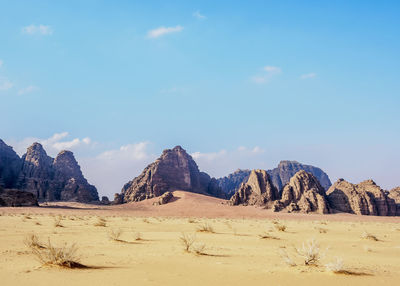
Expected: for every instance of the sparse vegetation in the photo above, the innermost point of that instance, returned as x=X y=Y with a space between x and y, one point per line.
x=187 y=241
x=115 y=234
x=32 y=241
x=369 y=236
x=286 y=258
x=205 y=227
x=336 y=266
x=280 y=227
x=266 y=235
x=57 y=221
x=138 y=236
x=101 y=222
x=199 y=249
x=310 y=252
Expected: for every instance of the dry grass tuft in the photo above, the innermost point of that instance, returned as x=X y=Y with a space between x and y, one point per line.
x=205 y=227
x=101 y=222
x=32 y=241
x=266 y=235
x=280 y=227
x=115 y=234
x=57 y=221
x=369 y=236
x=286 y=258
x=310 y=252
x=199 y=249
x=336 y=266
x=187 y=241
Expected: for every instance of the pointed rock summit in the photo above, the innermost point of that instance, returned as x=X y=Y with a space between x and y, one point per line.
x=258 y=190
x=173 y=170
x=365 y=198
x=303 y=193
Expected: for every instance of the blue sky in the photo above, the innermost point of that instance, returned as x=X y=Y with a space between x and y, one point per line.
x=238 y=84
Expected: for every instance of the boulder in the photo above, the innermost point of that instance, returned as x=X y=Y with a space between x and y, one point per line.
x=365 y=198
x=258 y=190
x=105 y=200
x=16 y=198
x=173 y=170
x=303 y=193
x=164 y=198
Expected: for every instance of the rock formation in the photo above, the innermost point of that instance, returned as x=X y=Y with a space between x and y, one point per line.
x=287 y=169
x=10 y=166
x=394 y=194
x=365 y=198
x=16 y=198
x=164 y=199
x=279 y=176
x=303 y=193
x=174 y=170
x=47 y=178
x=258 y=190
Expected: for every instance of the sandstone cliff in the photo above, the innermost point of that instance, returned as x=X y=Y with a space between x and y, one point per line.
x=303 y=193
x=174 y=170
x=258 y=190
x=279 y=176
x=365 y=198
x=394 y=194
x=16 y=198
x=47 y=178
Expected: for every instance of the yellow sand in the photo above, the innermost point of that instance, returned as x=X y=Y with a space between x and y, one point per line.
x=234 y=254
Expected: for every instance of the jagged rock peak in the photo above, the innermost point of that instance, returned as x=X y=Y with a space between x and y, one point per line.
x=258 y=190
x=303 y=193
x=66 y=164
x=10 y=166
x=174 y=170
x=365 y=198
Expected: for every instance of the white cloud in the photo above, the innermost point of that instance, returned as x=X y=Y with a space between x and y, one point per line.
x=38 y=30
x=5 y=83
x=163 y=31
x=268 y=72
x=53 y=145
x=308 y=75
x=198 y=15
x=27 y=89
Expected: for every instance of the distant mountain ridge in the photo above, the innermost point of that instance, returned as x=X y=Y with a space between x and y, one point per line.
x=279 y=176
x=47 y=178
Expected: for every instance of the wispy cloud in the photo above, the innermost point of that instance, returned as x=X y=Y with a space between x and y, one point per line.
x=161 y=31
x=308 y=75
x=28 y=89
x=5 y=83
x=38 y=30
x=198 y=15
x=268 y=72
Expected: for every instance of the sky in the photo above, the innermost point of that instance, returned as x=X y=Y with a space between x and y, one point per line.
x=238 y=84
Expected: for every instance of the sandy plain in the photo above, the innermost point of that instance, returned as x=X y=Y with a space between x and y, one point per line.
x=234 y=254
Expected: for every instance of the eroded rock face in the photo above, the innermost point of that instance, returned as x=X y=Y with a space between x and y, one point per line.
x=287 y=169
x=231 y=183
x=10 y=166
x=174 y=170
x=16 y=198
x=164 y=198
x=54 y=179
x=258 y=190
x=303 y=193
x=394 y=194
x=365 y=198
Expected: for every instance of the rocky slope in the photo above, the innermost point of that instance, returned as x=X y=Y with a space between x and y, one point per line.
x=47 y=178
x=16 y=198
x=279 y=176
x=394 y=194
x=303 y=193
x=365 y=198
x=174 y=170
x=258 y=190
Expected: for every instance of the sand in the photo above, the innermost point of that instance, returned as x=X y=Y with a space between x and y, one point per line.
x=233 y=255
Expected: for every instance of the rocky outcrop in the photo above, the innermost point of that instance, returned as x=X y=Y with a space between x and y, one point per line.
x=105 y=200
x=279 y=176
x=231 y=183
x=10 y=166
x=47 y=178
x=174 y=170
x=164 y=199
x=365 y=198
x=394 y=194
x=258 y=190
x=16 y=198
x=287 y=169
x=303 y=193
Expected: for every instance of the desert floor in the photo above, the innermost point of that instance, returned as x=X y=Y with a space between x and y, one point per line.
x=234 y=254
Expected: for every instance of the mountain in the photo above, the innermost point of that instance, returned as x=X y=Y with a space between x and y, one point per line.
x=394 y=194
x=365 y=198
x=258 y=190
x=303 y=193
x=279 y=176
x=174 y=170
x=16 y=198
x=47 y=178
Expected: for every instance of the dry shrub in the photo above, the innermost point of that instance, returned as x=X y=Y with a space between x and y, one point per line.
x=115 y=234
x=266 y=235
x=191 y=220
x=65 y=256
x=336 y=266
x=286 y=258
x=310 y=252
x=280 y=227
x=321 y=230
x=187 y=241
x=205 y=227
x=101 y=222
x=57 y=221
x=369 y=236
x=199 y=249
x=138 y=236
x=32 y=241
